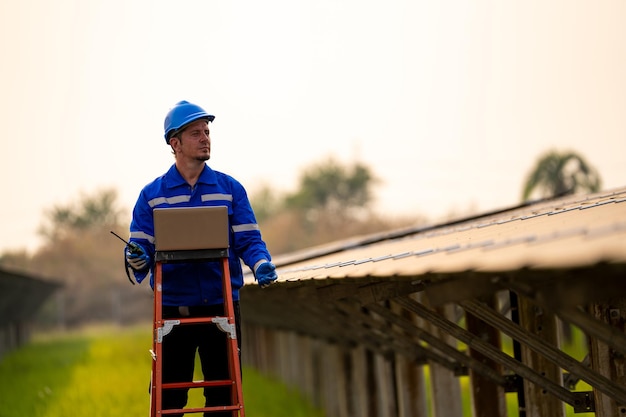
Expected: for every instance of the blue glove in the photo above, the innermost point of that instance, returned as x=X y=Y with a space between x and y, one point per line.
x=265 y=274
x=137 y=257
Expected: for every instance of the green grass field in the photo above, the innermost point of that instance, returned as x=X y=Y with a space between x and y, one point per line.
x=105 y=372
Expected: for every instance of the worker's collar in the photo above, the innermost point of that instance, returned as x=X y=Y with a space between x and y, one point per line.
x=174 y=179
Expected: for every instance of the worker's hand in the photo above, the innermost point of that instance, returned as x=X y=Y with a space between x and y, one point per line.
x=137 y=257
x=265 y=274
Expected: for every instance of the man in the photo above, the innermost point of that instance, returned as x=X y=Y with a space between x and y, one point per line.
x=195 y=289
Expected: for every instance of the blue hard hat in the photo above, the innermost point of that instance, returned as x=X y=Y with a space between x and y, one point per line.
x=181 y=115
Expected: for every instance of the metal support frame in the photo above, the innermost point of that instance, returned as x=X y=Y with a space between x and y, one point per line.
x=551 y=352
x=488 y=350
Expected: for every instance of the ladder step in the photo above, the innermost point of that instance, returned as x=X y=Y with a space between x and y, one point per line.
x=203 y=409
x=198 y=384
x=196 y=320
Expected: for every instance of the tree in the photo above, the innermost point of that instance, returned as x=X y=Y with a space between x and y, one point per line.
x=332 y=202
x=334 y=189
x=561 y=173
x=265 y=203
x=81 y=253
x=98 y=209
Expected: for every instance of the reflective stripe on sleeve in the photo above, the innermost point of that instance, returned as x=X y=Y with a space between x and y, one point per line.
x=169 y=200
x=245 y=227
x=258 y=264
x=217 y=197
x=142 y=235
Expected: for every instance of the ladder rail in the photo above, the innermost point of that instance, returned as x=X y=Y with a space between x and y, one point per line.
x=234 y=363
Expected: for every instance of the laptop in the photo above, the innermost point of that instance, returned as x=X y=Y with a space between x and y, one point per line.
x=191 y=228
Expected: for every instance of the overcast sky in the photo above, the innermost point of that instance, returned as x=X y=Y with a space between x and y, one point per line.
x=450 y=103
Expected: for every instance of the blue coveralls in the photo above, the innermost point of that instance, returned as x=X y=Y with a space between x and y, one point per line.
x=197 y=285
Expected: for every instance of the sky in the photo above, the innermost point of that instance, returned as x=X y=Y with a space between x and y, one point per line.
x=449 y=103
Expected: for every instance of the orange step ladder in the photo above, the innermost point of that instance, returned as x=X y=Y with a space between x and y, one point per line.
x=162 y=327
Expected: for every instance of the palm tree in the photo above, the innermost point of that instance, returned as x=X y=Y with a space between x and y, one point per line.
x=558 y=174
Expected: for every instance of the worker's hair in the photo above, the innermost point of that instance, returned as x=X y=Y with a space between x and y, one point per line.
x=178 y=135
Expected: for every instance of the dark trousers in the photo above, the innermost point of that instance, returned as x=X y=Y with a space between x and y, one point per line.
x=179 y=353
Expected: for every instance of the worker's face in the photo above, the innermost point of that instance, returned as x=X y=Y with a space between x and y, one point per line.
x=194 y=142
